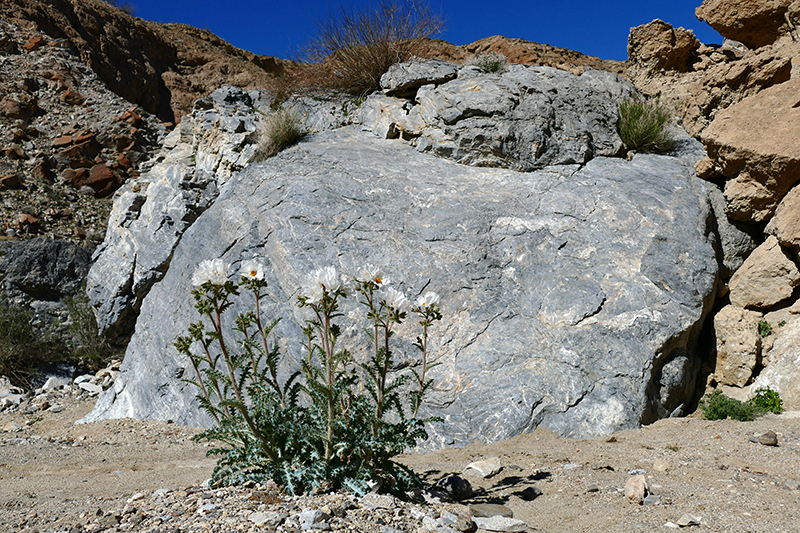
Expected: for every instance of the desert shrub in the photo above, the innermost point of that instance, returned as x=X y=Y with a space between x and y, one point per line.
x=764 y=328
x=278 y=130
x=90 y=349
x=643 y=126
x=717 y=406
x=23 y=350
x=334 y=424
x=355 y=47
x=493 y=62
x=767 y=400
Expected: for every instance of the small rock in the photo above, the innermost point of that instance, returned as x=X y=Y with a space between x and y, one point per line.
x=91 y=388
x=313 y=519
x=458 y=487
x=652 y=499
x=791 y=484
x=529 y=493
x=660 y=465
x=768 y=439
x=637 y=472
x=671 y=525
x=593 y=488
x=485 y=469
x=501 y=523
x=636 y=489
x=688 y=520
x=12 y=426
x=377 y=501
x=487 y=510
x=271 y=519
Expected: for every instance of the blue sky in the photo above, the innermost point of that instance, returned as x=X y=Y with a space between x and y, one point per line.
x=598 y=28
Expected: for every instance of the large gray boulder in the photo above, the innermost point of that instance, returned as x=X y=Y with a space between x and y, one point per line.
x=525 y=118
x=573 y=296
x=219 y=138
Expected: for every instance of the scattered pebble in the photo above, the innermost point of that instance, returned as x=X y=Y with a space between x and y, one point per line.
x=485 y=469
x=636 y=489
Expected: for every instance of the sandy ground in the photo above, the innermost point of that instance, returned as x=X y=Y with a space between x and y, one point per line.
x=52 y=472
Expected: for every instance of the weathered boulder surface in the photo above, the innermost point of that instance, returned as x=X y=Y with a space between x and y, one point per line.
x=753 y=145
x=660 y=46
x=40 y=274
x=523 y=119
x=736 y=239
x=573 y=297
x=785 y=225
x=753 y=22
x=403 y=79
x=768 y=276
x=218 y=139
x=738 y=345
x=43 y=269
x=784 y=359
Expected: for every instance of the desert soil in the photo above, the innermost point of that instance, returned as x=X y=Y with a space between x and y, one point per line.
x=143 y=476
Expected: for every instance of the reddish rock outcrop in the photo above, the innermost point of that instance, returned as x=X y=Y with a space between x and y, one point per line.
x=163 y=68
x=518 y=51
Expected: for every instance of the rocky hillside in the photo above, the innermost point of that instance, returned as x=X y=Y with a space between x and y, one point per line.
x=740 y=99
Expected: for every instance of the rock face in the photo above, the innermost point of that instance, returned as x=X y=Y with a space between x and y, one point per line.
x=662 y=47
x=523 y=119
x=163 y=68
x=738 y=345
x=785 y=225
x=41 y=274
x=753 y=145
x=698 y=82
x=767 y=277
x=784 y=359
x=753 y=22
x=573 y=297
x=217 y=140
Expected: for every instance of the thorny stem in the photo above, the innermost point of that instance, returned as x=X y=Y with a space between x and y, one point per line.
x=216 y=320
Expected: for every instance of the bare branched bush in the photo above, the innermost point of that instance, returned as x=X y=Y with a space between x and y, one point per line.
x=355 y=47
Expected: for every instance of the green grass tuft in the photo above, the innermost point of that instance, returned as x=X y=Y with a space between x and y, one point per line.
x=643 y=126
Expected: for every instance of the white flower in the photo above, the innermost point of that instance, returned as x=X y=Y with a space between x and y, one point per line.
x=318 y=282
x=373 y=274
x=394 y=298
x=429 y=299
x=252 y=269
x=214 y=271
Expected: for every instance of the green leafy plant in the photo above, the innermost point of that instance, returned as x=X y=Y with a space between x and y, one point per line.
x=764 y=328
x=279 y=129
x=335 y=423
x=767 y=400
x=356 y=46
x=718 y=406
x=643 y=126
x=493 y=62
